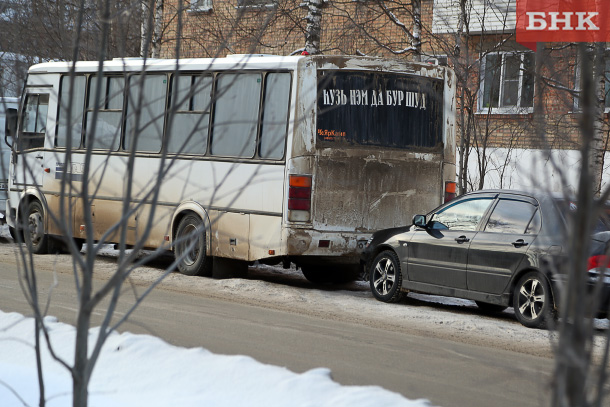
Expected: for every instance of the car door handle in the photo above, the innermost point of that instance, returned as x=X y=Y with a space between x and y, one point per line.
x=462 y=239
x=519 y=243
x=39 y=157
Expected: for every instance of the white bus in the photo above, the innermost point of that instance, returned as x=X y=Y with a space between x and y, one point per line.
x=275 y=159
x=8 y=107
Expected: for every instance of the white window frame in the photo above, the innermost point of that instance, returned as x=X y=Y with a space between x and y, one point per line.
x=268 y=4
x=201 y=6
x=502 y=109
x=440 y=59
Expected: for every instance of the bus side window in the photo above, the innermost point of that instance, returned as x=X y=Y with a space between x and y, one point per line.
x=236 y=115
x=34 y=122
x=110 y=111
x=191 y=99
x=275 y=115
x=147 y=97
x=72 y=105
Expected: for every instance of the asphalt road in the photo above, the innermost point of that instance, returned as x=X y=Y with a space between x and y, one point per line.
x=445 y=372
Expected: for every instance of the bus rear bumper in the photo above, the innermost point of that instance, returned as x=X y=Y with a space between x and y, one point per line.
x=310 y=246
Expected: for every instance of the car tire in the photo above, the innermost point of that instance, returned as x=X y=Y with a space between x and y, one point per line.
x=532 y=300
x=33 y=230
x=490 y=308
x=385 y=277
x=193 y=262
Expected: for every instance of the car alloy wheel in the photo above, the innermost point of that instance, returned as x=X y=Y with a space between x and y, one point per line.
x=386 y=278
x=532 y=300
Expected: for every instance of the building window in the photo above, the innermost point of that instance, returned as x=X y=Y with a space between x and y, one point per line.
x=507 y=83
x=201 y=5
x=441 y=60
x=256 y=4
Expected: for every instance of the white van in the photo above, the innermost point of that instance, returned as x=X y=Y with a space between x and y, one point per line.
x=6 y=103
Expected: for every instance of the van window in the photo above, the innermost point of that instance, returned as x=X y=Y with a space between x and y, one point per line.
x=71 y=103
x=109 y=102
x=191 y=100
x=236 y=115
x=34 y=121
x=145 y=112
x=275 y=115
x=379 y=109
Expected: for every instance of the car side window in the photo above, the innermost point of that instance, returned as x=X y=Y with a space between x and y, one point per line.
x=534 y=226
x=464 y=215
x=510 y=216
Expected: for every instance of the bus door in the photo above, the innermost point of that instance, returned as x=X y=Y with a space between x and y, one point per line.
x=31 y=161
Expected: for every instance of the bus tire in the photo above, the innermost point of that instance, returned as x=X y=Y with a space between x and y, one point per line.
x=229 y=268
x=316 y=274
x=14 y=235
x=34 y=235
x=339 y=274
x=194 y=262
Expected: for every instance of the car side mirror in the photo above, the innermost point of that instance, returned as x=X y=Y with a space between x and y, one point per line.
x=420 y=221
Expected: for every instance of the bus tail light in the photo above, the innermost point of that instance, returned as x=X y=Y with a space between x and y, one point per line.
x=299 y=198
x=450 y=190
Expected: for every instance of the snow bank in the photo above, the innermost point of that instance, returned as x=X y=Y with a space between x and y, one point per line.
x=141 y=370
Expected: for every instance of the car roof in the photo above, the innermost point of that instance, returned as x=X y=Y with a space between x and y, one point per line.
x=533 y=194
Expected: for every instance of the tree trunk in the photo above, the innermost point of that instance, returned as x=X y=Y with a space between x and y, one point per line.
x=158 y=29
x=146 y=31
x=313 y=29
x=80 y=379
x=461 y=67
x=575 y=332
x=596 y=152
x=417 y=29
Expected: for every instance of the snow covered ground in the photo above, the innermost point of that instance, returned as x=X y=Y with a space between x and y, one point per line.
x=141 y=370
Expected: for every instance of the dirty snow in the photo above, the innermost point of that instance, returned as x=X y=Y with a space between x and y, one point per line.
x=275 y=288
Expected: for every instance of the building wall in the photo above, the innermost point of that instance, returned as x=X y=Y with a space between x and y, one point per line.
x=365 y=28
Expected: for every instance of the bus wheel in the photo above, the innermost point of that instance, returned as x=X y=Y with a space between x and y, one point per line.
x=339 y=274
x=13 y=233
x=190 y=247
x=33 y=231
x=316 y=274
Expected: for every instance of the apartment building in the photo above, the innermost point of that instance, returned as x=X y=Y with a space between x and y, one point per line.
x=498 y=89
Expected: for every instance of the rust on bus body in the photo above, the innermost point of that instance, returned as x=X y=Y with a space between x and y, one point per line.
x=359 y=189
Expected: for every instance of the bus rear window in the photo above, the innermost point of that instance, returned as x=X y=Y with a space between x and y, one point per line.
x=379 y=109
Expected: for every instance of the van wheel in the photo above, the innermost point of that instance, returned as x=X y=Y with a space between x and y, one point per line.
x=13 y=233
x=190 y=247
x=317 y=274
x=33 y=229
x=338 y=274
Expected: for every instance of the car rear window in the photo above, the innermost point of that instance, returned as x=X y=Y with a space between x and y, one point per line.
x=603 y=221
